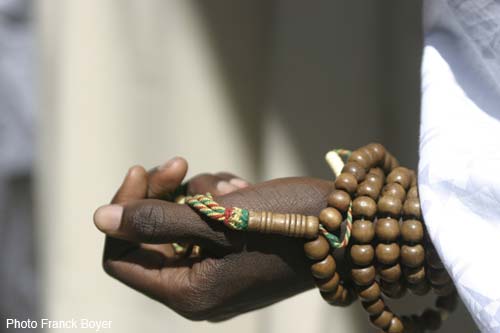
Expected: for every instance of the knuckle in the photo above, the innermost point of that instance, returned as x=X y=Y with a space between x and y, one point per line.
x=145 y=221
x=200 y=181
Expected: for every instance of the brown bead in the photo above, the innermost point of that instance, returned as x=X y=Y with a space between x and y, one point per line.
x=412 y=231
x=401 y=176
x=290 y=225
x=412 y=192
x=346 y=182
x=448 y=302
x=368 y=189
x=390 y=273
x=415 y=275
x=370 y=293
x=362 y=158
x=392 y=289
x=396 y=326
x=325 y=268
x=411 y=208
x=389 y=206
x=317 y=249
x=432 y=319
x=363 y=276
x=378 y=172
x=433 y=259
x=394 y=190
x=355 y=169
x=378 y=152
x=382 y=320
x=362 y=255
x=412 y=256
x=364 y=206
x=443 y=290
x=363 y=231
x=333 y=296
x=375 y=178
x=419 y=289
x=331 y=219
x=374 y=307
x=329 y=285
x=387 y=254
x=340 y=200
x=438 y=276
x=387 y=229
x=389 y=163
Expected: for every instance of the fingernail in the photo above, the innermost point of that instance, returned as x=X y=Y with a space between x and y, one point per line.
x=224 y=187
x=108 y=218
x=240 y=183
x=168 y=164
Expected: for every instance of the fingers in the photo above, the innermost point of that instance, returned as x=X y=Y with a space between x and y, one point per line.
x=218 y=184
x=134 y=186
x=166 y=178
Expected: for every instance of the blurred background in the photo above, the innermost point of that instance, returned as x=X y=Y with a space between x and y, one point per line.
x=91 y=87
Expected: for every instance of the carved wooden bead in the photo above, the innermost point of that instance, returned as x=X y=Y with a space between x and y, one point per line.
x=368 y=189
x=291 y=225
x=363 y=276
x=346 y=182
x=390 y=273
x=412 y=256
x=362 y=255
x=331 y=219
x=393 y=289
x=415 y=275
x=329 y=285
x=419 y=289
x=412 y=231
x=387 y=229
x=325 y=268
x=396 y=326
x=378 y=152
x=394 y=190
x=362 y=158
x=438 y=276
x=389 y=206
x=364 y=206
x=370 y=293
x=355 y=169
x=382 y=320
x=412 y=192
x=340 y=200
x=363 y=231
x=411 y=208
x=432 y=319
x=401 y=176
x=374 y=307
x=387 y=254
x=317 y=249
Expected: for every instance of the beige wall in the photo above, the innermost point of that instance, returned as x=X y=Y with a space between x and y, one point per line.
x=273 y=84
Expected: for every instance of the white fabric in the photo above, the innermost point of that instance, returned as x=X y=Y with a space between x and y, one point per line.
x=459 y=168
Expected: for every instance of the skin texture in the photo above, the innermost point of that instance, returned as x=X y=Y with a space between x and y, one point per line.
x=238 y=271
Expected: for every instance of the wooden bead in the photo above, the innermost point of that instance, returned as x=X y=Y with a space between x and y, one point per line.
x=331 y=219
x=389 y=206
x=382 y=320
x=290 y=225
x=374 y=307
x=355 y=169
x=396 y=326
x=363 y=231
x=340 y=200
x=443 y=290
x=346 y=182
x=329 y=285
x=401 y=176
x=392 y=289
x=412 y=231
x=387 y=229
x=438 y=276
x=333 y=296
x=378 y=152
x=432 y=319
x=317 y=249
x=387 y=254
x=448 y=302
x=412 y=192
x=390 y=273
x=411 y=208
x=364 y=206
x=389 y=163
x=412 y=256
x=419 y=289
x=362 y=158
x=362 y=255
x=363 y=276
x=368 y=189
x=378 y=172
x=433 y=259
x=375 y=179
x=394 y=190
x=370 y=293
x=415 y=275
x=325 y=268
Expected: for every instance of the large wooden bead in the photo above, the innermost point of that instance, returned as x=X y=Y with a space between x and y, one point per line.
x=389 y=163
x=389 y=206
x=364 y=206
x=394 y=190
x=363 y=231
x=340 y=200
x=387 y=254
x=363 y=276
x=374 y=307
x=378 y=172
x=396 y=326
x=412 y=231
x=325 y=268
x=355 y=169
x=387 y=229
x=390 y=273
x=333 y=296
x=412 y=192
x=415 y=275
x=375 y=178
x=368 y=189
x=362 y=255
x=438 y=276
x=370 y=293
x=392 y=289
x=432 y=319
x=411 y=208
x=382 y=320
x=412 y=256
x=401 y=176
x=329 y=285
x=331 y=219
x=378 y=152
x=362 y=158
x=346 y=182
x=317 y=249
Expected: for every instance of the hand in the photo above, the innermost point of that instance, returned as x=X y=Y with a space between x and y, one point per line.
x=239 y=271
